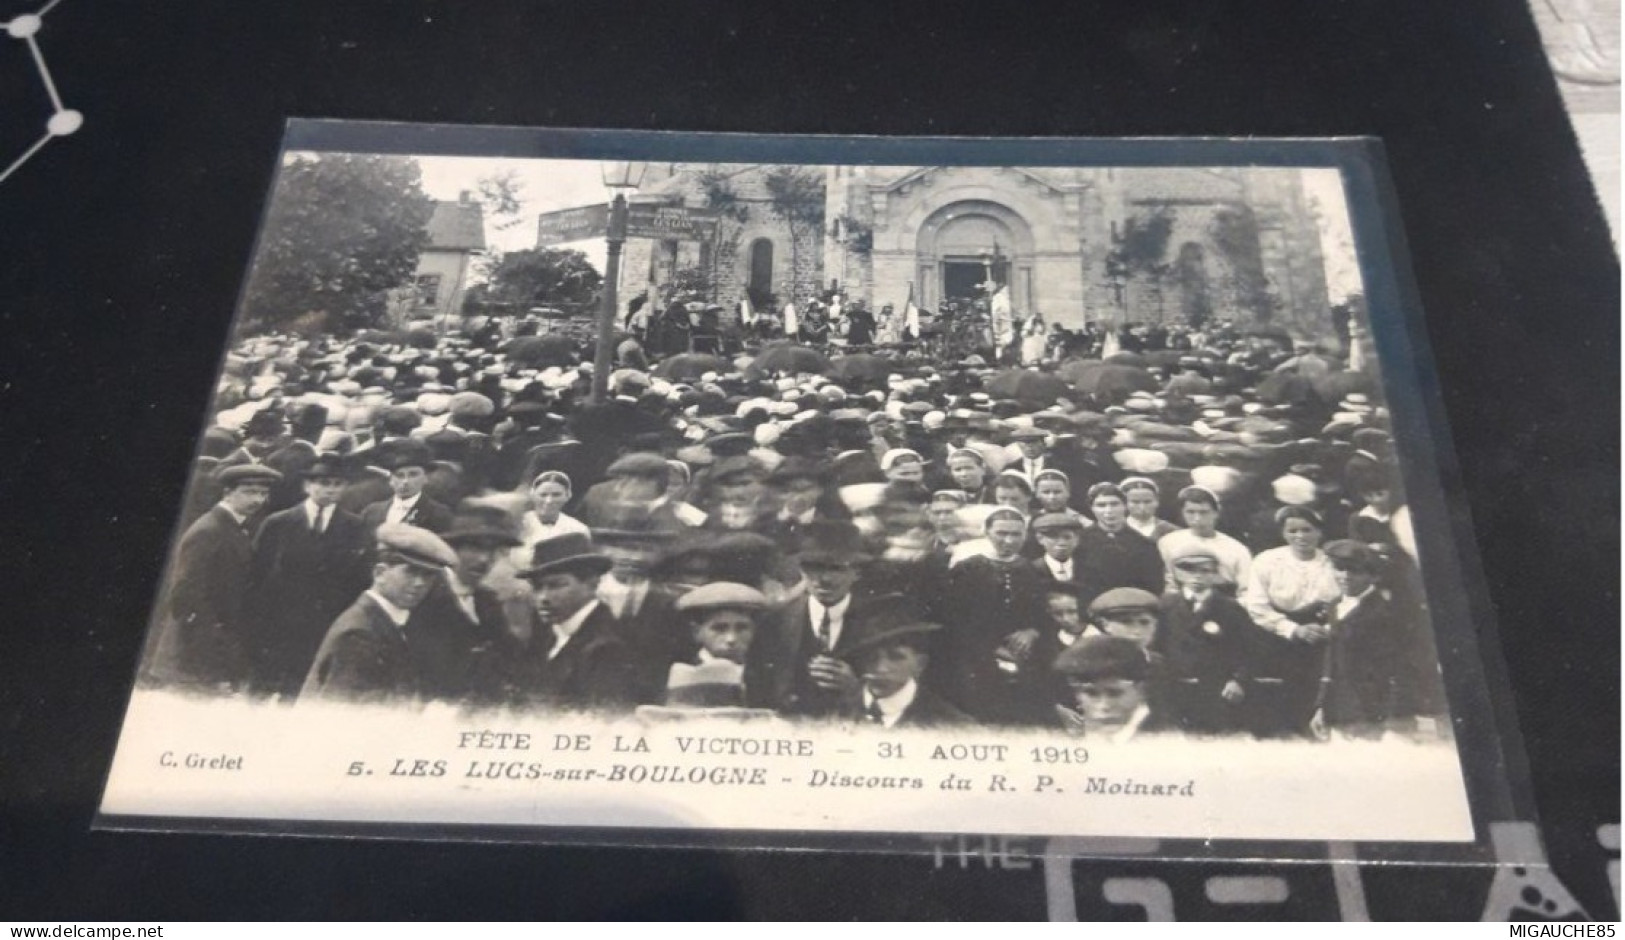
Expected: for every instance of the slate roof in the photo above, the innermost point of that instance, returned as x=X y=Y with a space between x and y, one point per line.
x=457 y=226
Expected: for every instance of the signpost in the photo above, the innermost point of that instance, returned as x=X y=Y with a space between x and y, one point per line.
x=571 y=225
x=666 y=223
x=671 y=223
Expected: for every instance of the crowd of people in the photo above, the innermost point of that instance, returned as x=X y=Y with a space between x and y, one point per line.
x=1203 y=535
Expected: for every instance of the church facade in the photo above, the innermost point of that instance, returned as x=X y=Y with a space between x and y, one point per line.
x=1072 y=244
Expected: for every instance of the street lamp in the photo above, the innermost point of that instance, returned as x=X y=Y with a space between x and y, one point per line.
x=619 y=177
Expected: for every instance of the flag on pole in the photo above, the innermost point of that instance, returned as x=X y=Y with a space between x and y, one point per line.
x=747 y=315
x=911 y=316
x=1003 y=317
x=792 y=326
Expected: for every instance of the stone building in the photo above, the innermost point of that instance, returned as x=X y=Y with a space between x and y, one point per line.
x=1072 y=243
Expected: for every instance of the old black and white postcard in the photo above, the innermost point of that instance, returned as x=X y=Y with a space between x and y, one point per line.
x=833 y=496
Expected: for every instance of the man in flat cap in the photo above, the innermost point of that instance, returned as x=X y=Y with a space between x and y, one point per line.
x=721 y=620
x=408 y=465
x=310 y=562
x=204 y=642
x=576 y=658
x=367 y=654
x=460 y=625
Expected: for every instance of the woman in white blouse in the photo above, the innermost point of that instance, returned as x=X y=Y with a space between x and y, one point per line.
x=1290 y=592
x=549 y=493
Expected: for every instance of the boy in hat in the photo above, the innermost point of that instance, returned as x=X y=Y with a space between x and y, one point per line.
x=310 y=562
x=1206 y=647
x=367 y=655
x=890 y=657
x=408 y=464
x=1363 y=687
x=576 y=658
x=1106 y=690
x=1128 y=613
x=722 y=619
x=461 y=623
x=1058 y=534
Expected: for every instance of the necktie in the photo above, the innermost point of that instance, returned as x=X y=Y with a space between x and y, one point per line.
x=874 y=714
x=824 y=631
x=321 y=519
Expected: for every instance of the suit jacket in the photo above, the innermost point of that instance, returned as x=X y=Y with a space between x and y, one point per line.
x=427 y=514
x=594 y=670
x=301 y=582
x=364 y=658
x=203 y=638
x=1202 y=651
x=929 y=710
x=450 y=650
x=1126 y=559
x=776 y=665
x=1363 y=683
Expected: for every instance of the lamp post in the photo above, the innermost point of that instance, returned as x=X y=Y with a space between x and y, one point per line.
x=619 y=177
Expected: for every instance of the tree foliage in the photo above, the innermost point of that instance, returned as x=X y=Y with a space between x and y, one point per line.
x=1235 y=234
x=541 y=277
x=796 y=195
x=342 y=231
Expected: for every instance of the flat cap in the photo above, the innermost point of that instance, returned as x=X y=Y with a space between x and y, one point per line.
x=640 y=464
x=471 y=405
x=1055 y=521
x=723 y=594
x=245 y=473
x=415 y=546
x=1189 y=554
x=1123 y=598
x=1028 y=434
x=1354 y=556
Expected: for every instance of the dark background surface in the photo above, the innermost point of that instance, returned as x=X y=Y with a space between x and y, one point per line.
x=122 y=248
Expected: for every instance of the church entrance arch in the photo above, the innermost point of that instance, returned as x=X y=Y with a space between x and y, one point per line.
x=960 y=244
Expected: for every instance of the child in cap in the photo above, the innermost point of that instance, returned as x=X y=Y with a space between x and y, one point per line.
x=1207 y=647
x=1363 y=687
x=1104 y=691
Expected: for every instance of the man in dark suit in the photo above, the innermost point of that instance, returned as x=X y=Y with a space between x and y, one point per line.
x=1058 y=534
x=890 y=652
x=310 y=563
x=367 y=654
x=796 y=665
x=577 y=660
x=408 y=464
x=460 y=628
x=203 y=642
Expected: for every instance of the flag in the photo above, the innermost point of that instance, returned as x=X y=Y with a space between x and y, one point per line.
x=911 y=316
x=747 y=315
x=1003 y=317
x=791 y=325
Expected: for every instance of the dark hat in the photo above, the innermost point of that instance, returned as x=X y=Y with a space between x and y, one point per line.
x=1103 y=657
x=1028 y=434
x=886 y=620
x=267 y=421
x=407 y=454
x=1123 y=599
x=623 y=522
x=1054 y=521
x=733 y=471
x=800 y=468
x=242 y=474
x=327 y=465
x=399 y=542
x=568 y=554
x=491 y=525
x=641 y=464
x=1354 y=556
x=831 y=540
